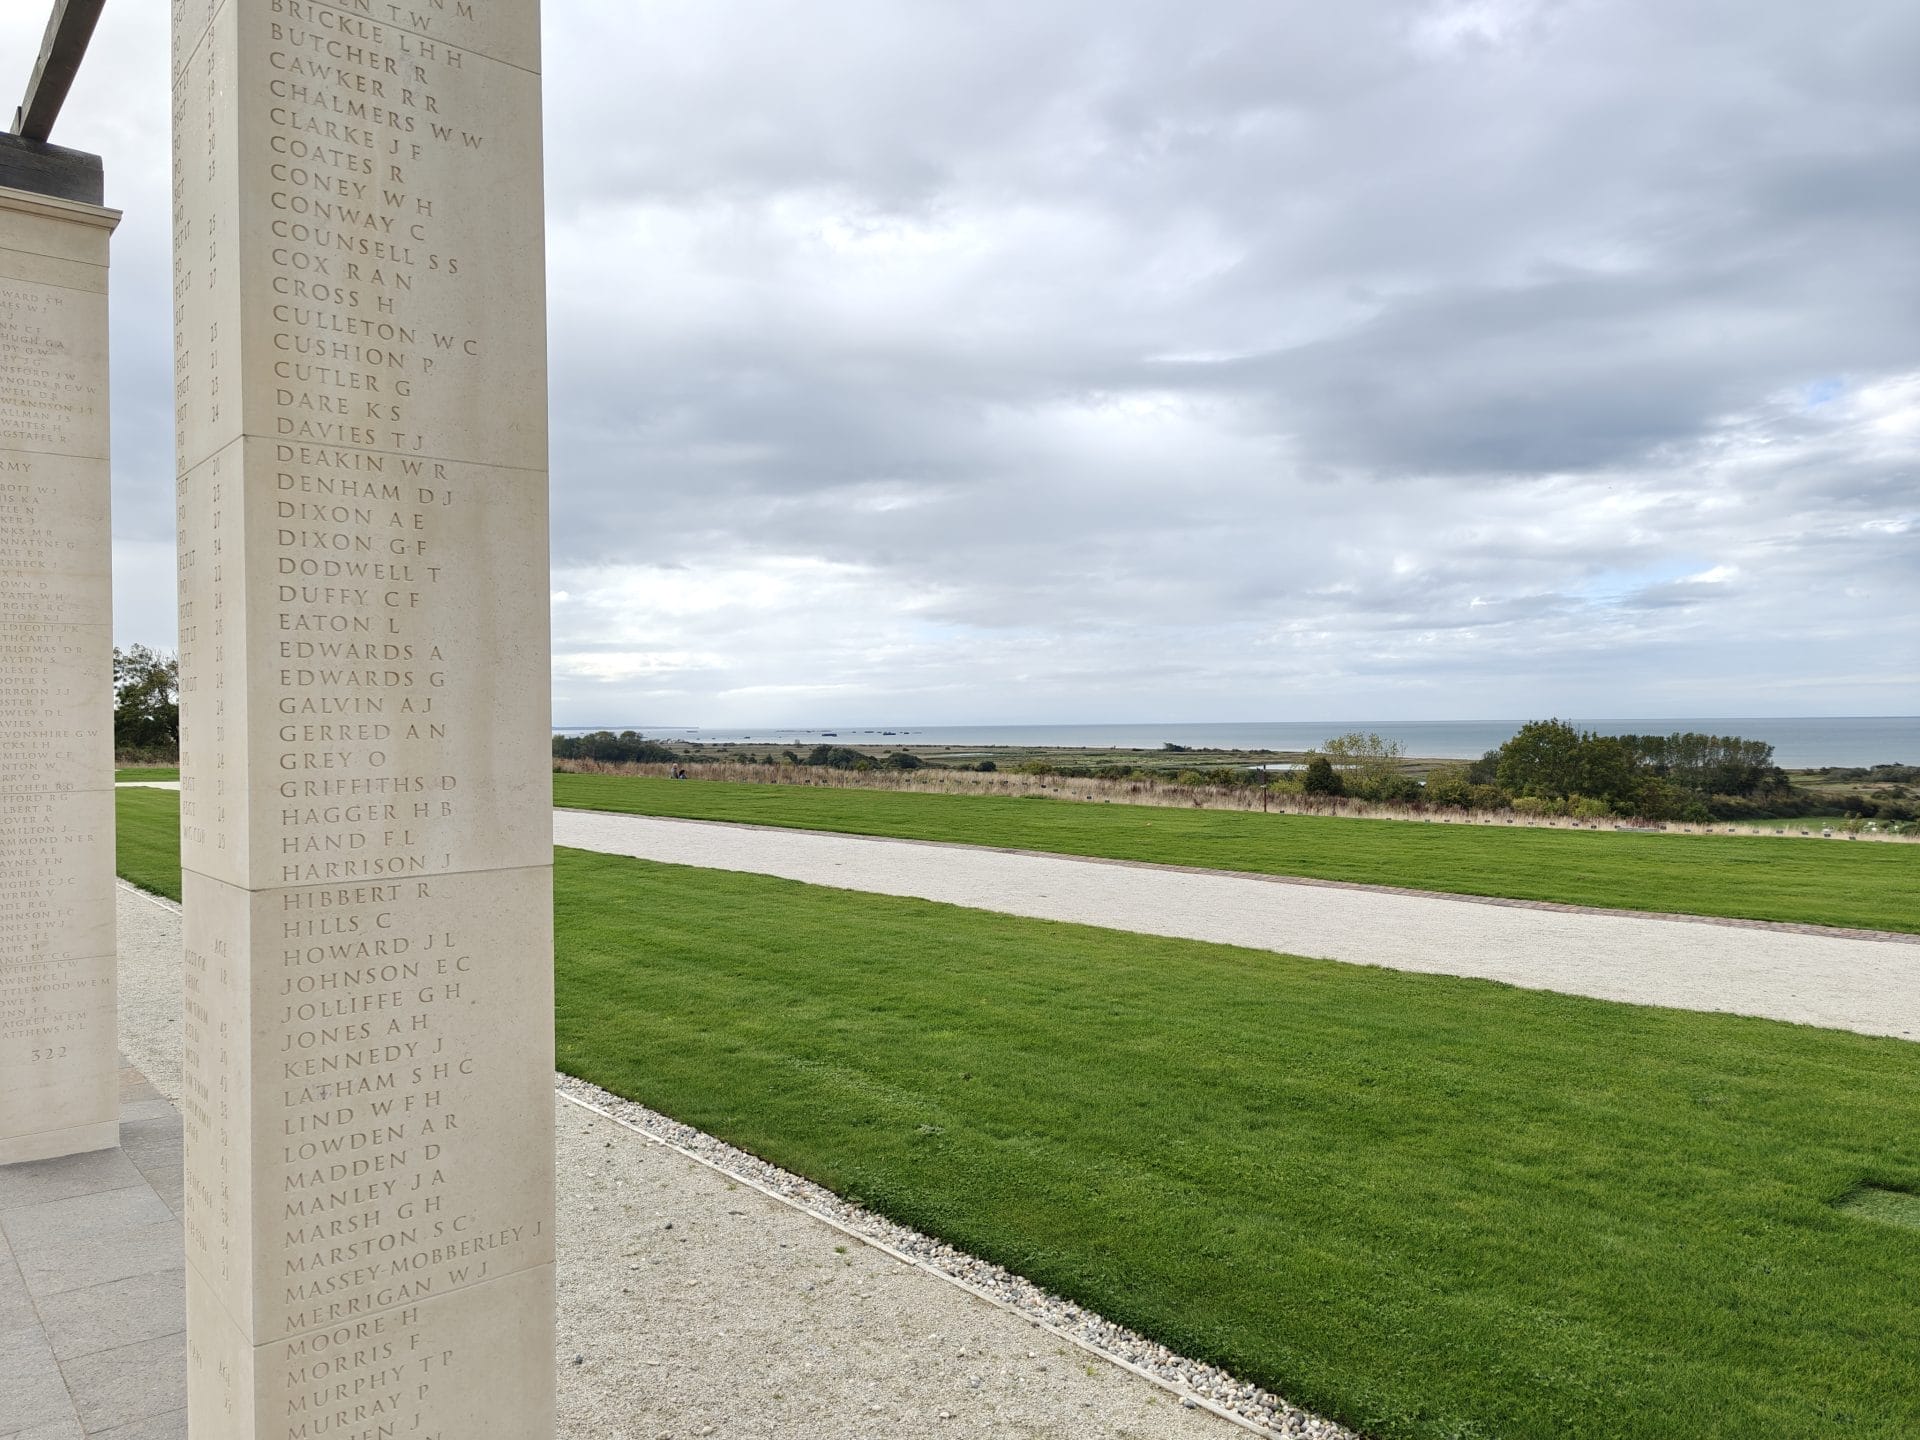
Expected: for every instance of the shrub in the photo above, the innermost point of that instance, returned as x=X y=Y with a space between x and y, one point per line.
x=1320 y=778
x=1389 y=789
x=837 y=757
x=1367 y=765
x=1449 y=785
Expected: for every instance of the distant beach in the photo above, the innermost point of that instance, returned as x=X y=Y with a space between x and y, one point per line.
x=1799 y=743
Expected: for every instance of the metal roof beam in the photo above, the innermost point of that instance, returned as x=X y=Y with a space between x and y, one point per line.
x=69 y=29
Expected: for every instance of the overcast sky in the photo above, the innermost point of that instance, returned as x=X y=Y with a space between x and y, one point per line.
x=991 y=361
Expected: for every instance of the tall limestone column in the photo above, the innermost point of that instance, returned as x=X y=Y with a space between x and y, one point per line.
x=59 y=1047
x=366 y=817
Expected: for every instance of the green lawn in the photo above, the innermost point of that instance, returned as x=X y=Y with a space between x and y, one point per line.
x=1873 y=886
x=1431 y=1207
x=148 y=839
x=147 y=772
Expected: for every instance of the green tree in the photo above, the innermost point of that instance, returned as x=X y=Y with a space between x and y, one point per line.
x=1655 y=799
x=1542 y=760
x=1709 y=764
x=603 y=745
x=146 y=699
x=1609 y=771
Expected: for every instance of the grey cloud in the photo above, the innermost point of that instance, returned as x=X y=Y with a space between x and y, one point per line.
x=1090 y=359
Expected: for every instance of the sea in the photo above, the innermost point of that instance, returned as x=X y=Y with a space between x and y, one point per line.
x=1798 y=743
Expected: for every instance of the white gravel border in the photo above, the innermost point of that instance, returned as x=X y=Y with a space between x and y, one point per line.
x=1197 y=1385
x=150 y=1020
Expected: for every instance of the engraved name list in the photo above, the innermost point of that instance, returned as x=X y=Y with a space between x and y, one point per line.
x=59 y=1047
x=360 y=362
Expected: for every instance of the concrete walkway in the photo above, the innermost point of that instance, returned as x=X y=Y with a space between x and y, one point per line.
x=692 y=1305
x=1869 y=984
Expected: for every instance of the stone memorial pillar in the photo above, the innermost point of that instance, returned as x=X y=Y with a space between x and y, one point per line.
x=59 y=1043
x=366 y=825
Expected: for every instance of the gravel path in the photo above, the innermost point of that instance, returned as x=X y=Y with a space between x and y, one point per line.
x=706 y=1293
x=1868 y=983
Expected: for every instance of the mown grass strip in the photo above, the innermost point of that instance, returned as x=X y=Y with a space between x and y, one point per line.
x=147 y=839
x=1431 y=1207
x=1859 y=885
x=147 y=772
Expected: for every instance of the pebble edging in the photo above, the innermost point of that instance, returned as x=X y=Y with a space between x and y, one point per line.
x=1195 y=1383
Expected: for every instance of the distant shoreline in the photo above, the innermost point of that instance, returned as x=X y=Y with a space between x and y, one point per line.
x=1802 y=743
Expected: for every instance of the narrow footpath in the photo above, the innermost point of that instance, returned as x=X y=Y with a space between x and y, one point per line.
x=1868 y=983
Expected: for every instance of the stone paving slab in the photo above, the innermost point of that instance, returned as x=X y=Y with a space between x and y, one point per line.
x=31 y=1387
x=46 y=1181
x=106 y=1259
x=139 y=1384
x=114 y=1313
x=58 y=1430
x=171 y=1426
x=92 y=1305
